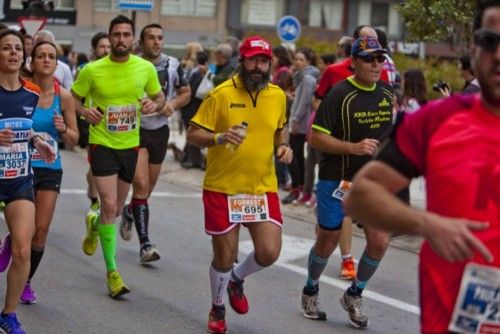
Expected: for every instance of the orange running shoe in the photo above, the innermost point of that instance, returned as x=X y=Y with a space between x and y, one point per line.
x=217 y=321
x=348 y=270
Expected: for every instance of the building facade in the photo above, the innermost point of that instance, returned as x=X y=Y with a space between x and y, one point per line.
x=211 y=21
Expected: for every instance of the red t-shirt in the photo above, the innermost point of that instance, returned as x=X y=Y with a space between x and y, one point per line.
x=455 y=144
x=337 y=72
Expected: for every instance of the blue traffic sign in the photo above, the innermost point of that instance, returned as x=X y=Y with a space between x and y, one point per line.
x=288 y=29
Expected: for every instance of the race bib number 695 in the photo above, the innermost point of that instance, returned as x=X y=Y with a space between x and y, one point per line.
x=244 y=208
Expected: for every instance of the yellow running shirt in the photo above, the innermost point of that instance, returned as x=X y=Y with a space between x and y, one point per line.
x=115 y=89
x=249 y=169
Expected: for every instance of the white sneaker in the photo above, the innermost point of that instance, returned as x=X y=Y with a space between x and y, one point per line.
x=126 y=224
x=149 y=253
x=311 y=307
x=354 y=306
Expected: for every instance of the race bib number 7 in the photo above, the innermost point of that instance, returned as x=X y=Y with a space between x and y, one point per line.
x=244 y=208
x=477 y=309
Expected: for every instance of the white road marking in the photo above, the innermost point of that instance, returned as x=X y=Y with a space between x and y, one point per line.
x=162 y=194
x=294 y=248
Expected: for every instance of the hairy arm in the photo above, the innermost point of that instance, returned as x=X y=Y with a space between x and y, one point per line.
x=92 y=115
x=283 y=150
x=180 y=100
x=329 y=144
x=200 y=137
x=372 y=201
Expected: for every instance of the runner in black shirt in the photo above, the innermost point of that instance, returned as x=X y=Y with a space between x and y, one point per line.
x=353 y=118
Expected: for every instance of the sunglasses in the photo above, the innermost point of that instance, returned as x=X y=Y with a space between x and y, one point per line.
x=370 y=58
x=488 y=40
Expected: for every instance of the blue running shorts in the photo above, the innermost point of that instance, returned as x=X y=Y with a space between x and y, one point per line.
x=329 y=209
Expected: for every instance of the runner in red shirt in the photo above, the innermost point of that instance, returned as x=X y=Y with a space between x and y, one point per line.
x=454 y=144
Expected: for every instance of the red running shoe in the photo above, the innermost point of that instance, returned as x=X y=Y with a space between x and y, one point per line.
x=216 y=320
x=237 y=297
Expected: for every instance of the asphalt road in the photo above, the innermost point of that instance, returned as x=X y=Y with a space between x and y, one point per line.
x=173 y=296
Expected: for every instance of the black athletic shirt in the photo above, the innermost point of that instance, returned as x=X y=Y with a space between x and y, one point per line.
x=350 y=112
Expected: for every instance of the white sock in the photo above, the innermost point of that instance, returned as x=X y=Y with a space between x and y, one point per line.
x=346 y=256
x=218 y=284
x=246 y=267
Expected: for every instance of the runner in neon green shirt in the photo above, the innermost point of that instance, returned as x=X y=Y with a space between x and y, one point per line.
x=121 y=86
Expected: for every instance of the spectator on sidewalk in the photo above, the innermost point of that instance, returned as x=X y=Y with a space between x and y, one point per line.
x=414 y=90
x=193 y=155
x=304 y=80
x=471 y=85
x=282 y=77
x=224 y=69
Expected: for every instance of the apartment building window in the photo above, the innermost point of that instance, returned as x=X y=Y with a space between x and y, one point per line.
x=326 y=14
x=106 y=5
x=58 y=4
x=188 y=8
x=380 y=15
x=261 y=12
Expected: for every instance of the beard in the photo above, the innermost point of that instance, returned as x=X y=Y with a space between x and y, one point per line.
x=120 y=52
x=254 y=80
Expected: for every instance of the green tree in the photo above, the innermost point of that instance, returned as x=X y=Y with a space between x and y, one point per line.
x=447 y=21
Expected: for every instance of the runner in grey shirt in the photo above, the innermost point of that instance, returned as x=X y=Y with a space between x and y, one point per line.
x=154 y=139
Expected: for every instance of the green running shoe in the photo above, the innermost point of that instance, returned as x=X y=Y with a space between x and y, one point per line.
x=91 y=236
x=116 y=287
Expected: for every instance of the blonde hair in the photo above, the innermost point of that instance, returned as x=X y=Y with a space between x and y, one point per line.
x=189 y=58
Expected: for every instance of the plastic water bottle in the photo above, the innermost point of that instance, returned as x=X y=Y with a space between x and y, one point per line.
x=242 y=132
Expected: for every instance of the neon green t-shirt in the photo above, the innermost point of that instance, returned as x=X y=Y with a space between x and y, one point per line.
x=116 y=89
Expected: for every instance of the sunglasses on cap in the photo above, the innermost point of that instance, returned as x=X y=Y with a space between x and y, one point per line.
x=486 y=39
x=370 y=58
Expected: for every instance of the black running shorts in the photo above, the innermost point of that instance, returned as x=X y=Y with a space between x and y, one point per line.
x=155 y=141
x=105 y=161
x=47 y=179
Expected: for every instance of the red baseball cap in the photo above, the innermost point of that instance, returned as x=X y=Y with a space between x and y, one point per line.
x=256 y=45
